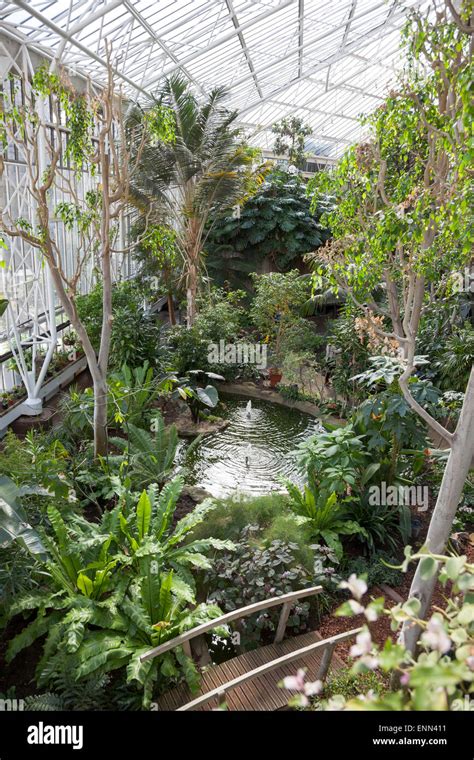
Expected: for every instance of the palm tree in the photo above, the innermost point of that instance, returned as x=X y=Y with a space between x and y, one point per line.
x=206 y=170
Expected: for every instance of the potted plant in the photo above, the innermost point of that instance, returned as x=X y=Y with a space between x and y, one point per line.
x=6 y=400
x=274 y=375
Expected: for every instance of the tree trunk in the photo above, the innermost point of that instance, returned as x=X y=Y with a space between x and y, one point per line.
x=455 y=474
x=171 y=314
x=100 y=417
x=191 y=294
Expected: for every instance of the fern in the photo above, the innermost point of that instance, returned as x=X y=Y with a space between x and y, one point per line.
x=151 y=457
x=47 y=702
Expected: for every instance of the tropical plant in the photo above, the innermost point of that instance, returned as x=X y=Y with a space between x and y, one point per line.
x=116 y=589
x=339 y=463
x=275 y=225
x=383 y=525
x=135 y=337
x=158 y=257
x=37 y=459
x=257 y=570
x=328 y=518
x=336 y=460
x=456 y=358
x=278 y=299
x=206 y=169
x=291 y=133
x=198 y=398
x=132 y=393
x=402 y=217
x=14 y=525
x=150 y=455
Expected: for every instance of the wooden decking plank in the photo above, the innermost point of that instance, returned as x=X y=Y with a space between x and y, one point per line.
x=261 y=693
x=237 y=698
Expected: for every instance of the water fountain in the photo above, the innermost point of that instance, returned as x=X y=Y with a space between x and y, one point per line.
x=248 y=409
x=248 y=453
x=249 y=458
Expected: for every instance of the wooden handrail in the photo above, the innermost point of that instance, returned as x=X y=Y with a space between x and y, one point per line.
x=327 y=645
x=293 y=596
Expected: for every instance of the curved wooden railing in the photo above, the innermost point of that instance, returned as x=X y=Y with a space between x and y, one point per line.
x=286 y=599
x=326 y=645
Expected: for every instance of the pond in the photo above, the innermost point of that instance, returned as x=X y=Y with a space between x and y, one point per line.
x=252 y=452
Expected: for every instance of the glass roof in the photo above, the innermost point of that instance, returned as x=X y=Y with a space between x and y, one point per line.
x=324 y=61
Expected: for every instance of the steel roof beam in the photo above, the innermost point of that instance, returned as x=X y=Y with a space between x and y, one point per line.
x=300 y=36
x=146 y=26
x=233 y=16
x=344 y=36
x=225 y=38
x=377 y=31
x=69 y=38
x=318 y=111
x=331 y=59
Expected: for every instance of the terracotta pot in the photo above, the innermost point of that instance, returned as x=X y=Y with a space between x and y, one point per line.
x=275 y=376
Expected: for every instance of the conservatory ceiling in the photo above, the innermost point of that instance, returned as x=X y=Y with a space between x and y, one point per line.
x=326 y=61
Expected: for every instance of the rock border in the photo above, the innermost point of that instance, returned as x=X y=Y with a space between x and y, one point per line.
x=250 y=390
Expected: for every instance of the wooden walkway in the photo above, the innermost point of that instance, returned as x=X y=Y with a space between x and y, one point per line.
x=260 y=693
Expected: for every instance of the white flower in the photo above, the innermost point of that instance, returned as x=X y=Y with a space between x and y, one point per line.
x=363 y=644
x=370 y=662
x=295 y=683
x=371 y=614
x=357 y=586
x=435 y=636
x=312 y=688
x=356 y=607
x=336 y=703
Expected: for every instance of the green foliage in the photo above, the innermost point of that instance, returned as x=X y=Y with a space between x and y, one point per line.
x=333 y=459
x=131 y=397
x=440 y=676
x=340 y=471
x=135 y=333
x=38 y=459
x=221 y=316
x=378 y=568
x=255 y=571
x=157 y=254
x=402 y=207
x=198 y=397
x=385 y=418
x=291 y=133
x=68 y=694
x=456 y=358
x=77 y=112
x=132 y=393
x=274 y=310
x=383 y=525
x=150 y=455
x=349 y=685
x=113 y=590
x=14 y=526
x=350 y=353
x=275 y=223
x=327 y=518
x=206 y=169
x=269 y=512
